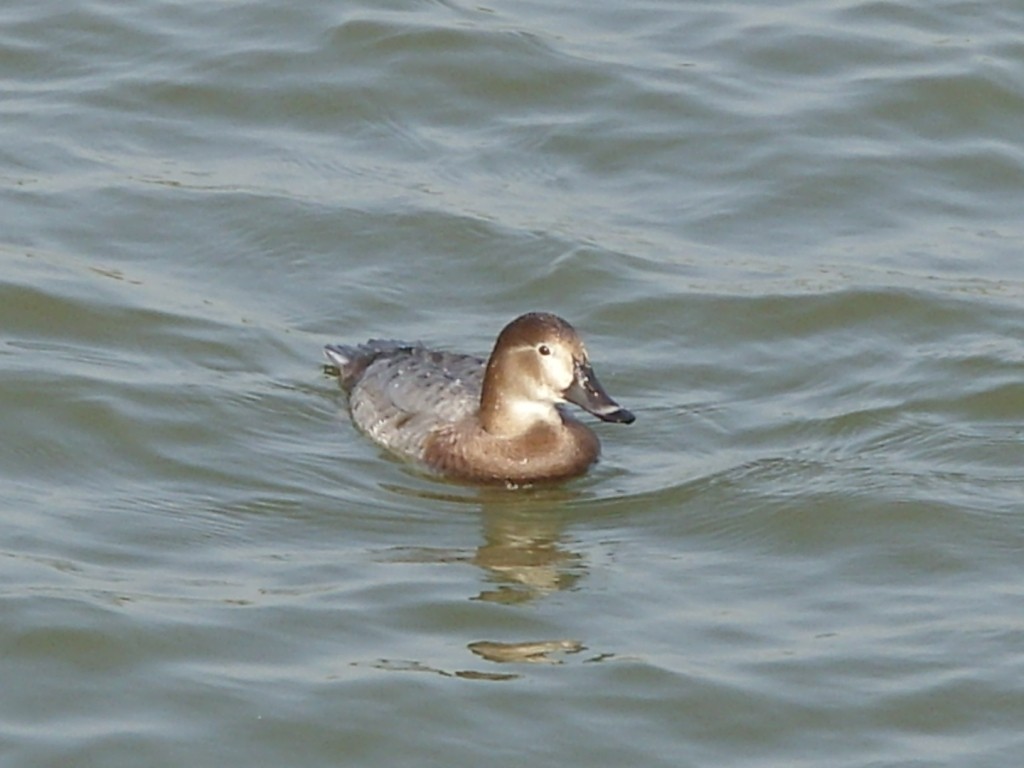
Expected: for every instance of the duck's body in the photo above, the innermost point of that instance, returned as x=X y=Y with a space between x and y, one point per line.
x=494 y=420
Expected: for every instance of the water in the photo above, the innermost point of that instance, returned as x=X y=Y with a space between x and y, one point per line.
x=791 y=238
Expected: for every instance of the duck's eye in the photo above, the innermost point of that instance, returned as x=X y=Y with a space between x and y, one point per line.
x=544 y=349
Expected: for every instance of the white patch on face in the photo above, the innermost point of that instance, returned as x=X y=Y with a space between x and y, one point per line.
x=558 y=370
x=536 y=395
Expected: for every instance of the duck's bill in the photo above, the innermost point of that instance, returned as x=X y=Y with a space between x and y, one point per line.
x=586 y=392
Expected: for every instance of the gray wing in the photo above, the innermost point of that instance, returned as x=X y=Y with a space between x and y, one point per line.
x=406 y=392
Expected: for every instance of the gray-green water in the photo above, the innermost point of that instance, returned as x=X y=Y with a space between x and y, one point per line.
x=791 y=235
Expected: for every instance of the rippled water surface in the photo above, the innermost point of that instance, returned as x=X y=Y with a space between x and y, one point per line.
x=791 y=235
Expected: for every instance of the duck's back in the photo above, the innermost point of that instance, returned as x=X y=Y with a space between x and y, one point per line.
x=399 y=393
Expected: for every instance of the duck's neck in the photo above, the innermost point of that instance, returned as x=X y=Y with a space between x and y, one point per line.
x=506 y=411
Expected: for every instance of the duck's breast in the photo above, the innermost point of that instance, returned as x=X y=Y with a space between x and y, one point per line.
x=544 y=453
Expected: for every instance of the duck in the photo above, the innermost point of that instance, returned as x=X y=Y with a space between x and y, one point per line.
x=500 y=420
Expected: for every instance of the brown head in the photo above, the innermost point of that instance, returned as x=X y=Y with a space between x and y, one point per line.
x=537 y=362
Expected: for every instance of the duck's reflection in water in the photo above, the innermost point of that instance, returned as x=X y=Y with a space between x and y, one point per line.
x=524 y=551
x=524 y=556
x=531 y=652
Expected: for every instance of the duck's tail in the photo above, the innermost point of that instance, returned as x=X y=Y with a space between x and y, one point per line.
x=349 y=363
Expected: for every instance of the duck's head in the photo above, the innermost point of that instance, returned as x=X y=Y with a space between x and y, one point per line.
x=539 y=361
